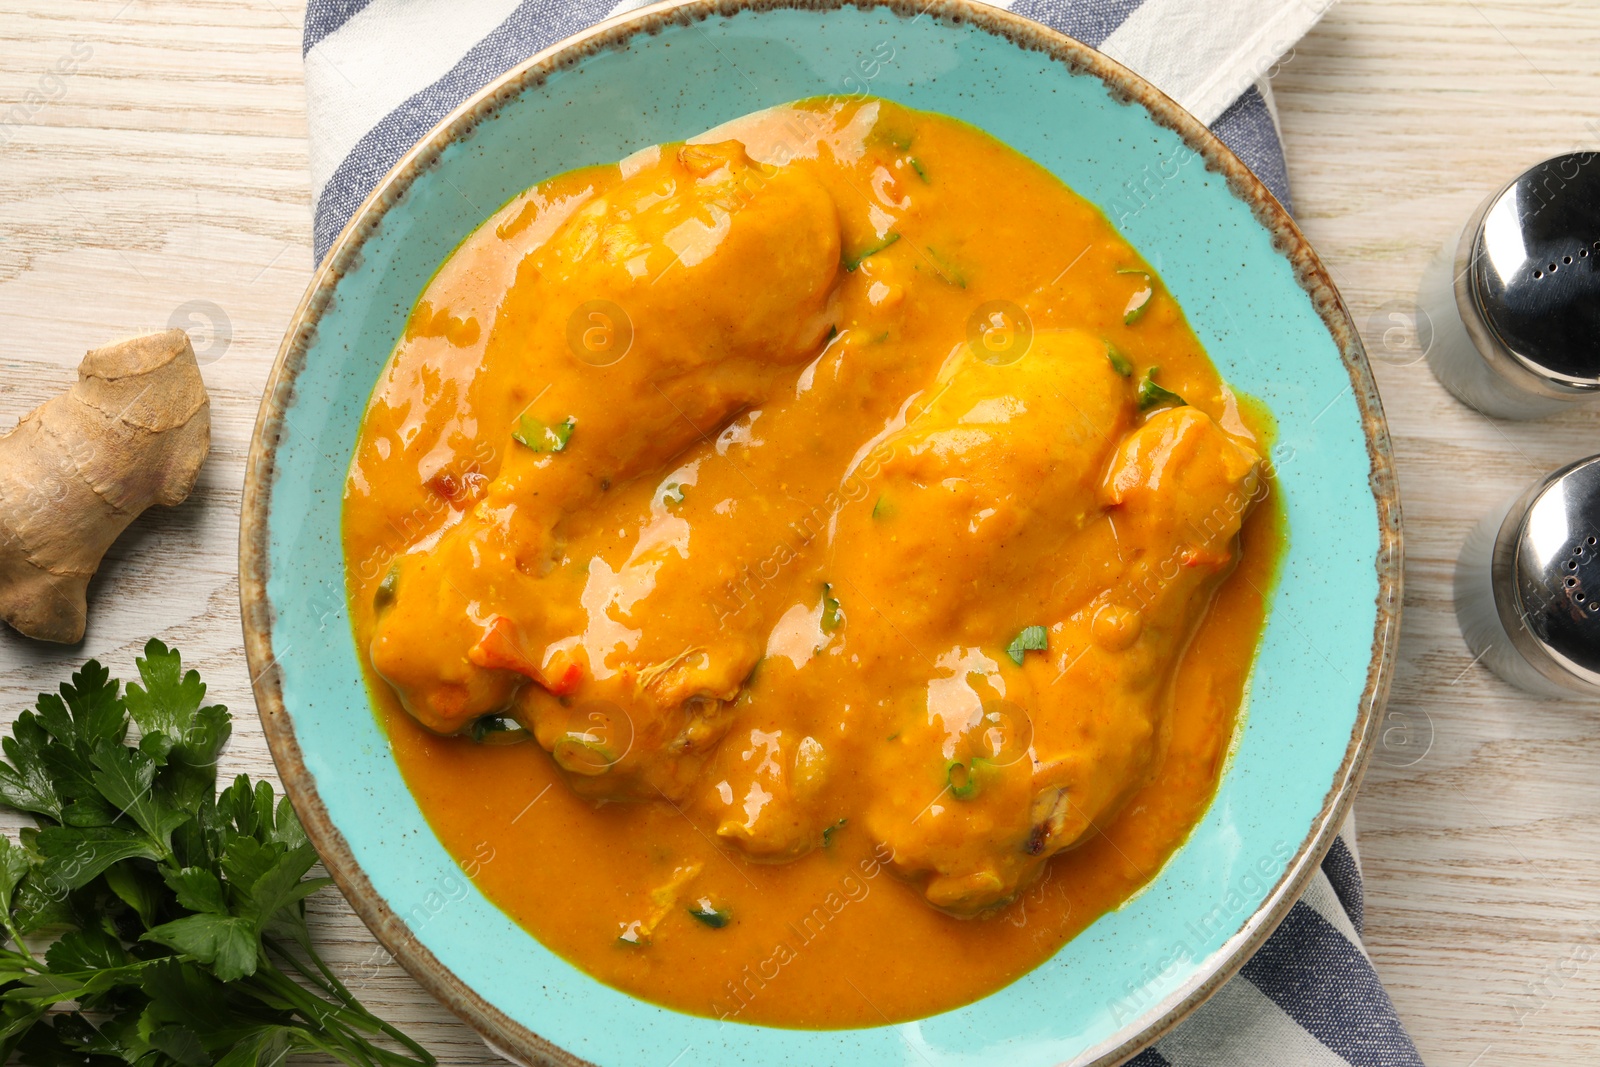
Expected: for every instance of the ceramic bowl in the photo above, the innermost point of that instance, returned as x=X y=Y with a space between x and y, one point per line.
x=1255 y=294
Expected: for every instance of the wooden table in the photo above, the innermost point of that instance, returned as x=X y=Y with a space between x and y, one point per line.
x=163 y=180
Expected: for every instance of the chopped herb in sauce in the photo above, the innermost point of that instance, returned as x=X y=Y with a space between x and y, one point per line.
x=583 y=753
x=1031 y=639
x=946 y=271
x=672 y=495
x=1152 y=395
x=884 y=509
x=829 y=831
x=916 y=165
x=1119 y=362
x=852 y=262
x=959 y=777
x=832 y=614
x=1139 y=303
x=708 y=914
x=386 y=588
x=535 y=435
x=497 y=730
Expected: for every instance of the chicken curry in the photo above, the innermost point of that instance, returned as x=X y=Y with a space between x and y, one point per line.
x=811 y=572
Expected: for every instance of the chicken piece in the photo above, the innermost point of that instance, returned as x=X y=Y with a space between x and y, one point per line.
x=764 y=792
x=1007 y=766
x=963 y=487
x=714 y=277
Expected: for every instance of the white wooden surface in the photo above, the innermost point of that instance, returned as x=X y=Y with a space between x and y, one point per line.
x=163 y=179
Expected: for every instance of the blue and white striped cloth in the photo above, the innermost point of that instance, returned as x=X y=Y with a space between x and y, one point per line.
x=381 y=73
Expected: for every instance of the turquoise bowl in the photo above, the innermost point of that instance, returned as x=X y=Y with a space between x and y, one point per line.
x=1254 y=292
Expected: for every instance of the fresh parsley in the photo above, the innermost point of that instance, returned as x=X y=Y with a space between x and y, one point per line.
x=709 y=914
x=1031 y=639
x=1119 y=362
x=946 y=271
x=852 y=262
x=832 y=613
x=1152 y=395
x=535 y=435
x=174 y=915
x=1140 y=301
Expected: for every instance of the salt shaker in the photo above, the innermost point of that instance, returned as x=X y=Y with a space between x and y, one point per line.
x=1528 y=585
x=1514 y=298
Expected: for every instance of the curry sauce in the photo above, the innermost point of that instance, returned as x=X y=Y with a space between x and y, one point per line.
x=810 y=573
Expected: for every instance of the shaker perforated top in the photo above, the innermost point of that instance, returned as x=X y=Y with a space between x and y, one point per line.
x=1557 y=569
x=1536 y=269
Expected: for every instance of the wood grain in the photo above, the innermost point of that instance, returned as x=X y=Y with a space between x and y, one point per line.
x=1483 y=857
x=164 y=179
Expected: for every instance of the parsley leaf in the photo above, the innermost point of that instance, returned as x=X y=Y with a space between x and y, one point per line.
x=536 y=436
x=832 y=613
x=1119 y=362
x=1139 y=303
x=852 y=262
x=178 y=913
x=1152 y=395
x=706 y=911
x=1031 y=639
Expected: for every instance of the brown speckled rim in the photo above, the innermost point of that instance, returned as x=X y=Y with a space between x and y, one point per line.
x=257 y=612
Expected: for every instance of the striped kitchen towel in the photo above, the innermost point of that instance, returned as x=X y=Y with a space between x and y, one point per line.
x=381 y=73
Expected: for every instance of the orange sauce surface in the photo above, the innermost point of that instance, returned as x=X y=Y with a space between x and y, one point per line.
x=810 y=574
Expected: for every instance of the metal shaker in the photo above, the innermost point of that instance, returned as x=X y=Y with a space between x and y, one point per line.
x=1528 y=585
x=1514 y=298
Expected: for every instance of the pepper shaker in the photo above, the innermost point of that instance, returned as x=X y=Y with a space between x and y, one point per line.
x=1514 y=298
x=1528 y=585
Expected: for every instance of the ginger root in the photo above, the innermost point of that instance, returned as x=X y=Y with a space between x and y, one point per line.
x=79 y=468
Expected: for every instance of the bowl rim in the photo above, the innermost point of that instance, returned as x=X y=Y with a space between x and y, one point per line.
x=512 y=1039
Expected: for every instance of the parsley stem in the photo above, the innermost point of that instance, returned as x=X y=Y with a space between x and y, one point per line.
x=330 y=983
x=333 y=1019
x=22 y=949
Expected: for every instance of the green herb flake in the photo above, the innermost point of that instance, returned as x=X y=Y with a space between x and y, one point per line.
x=1152 y=395
x=583 y=753
x=829 y=831
x=884 y=509
x=497 y=730
x=946 y=271
x=708 y=914
x=832 y=614
x=961 y=780
x=535 y=435
x=1139 y=303
x=851 y=263
x=386 y=588
x=1031 y=639
x=916 y=165
x=672 y=495
x=173 y=905
x=1119 y=362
